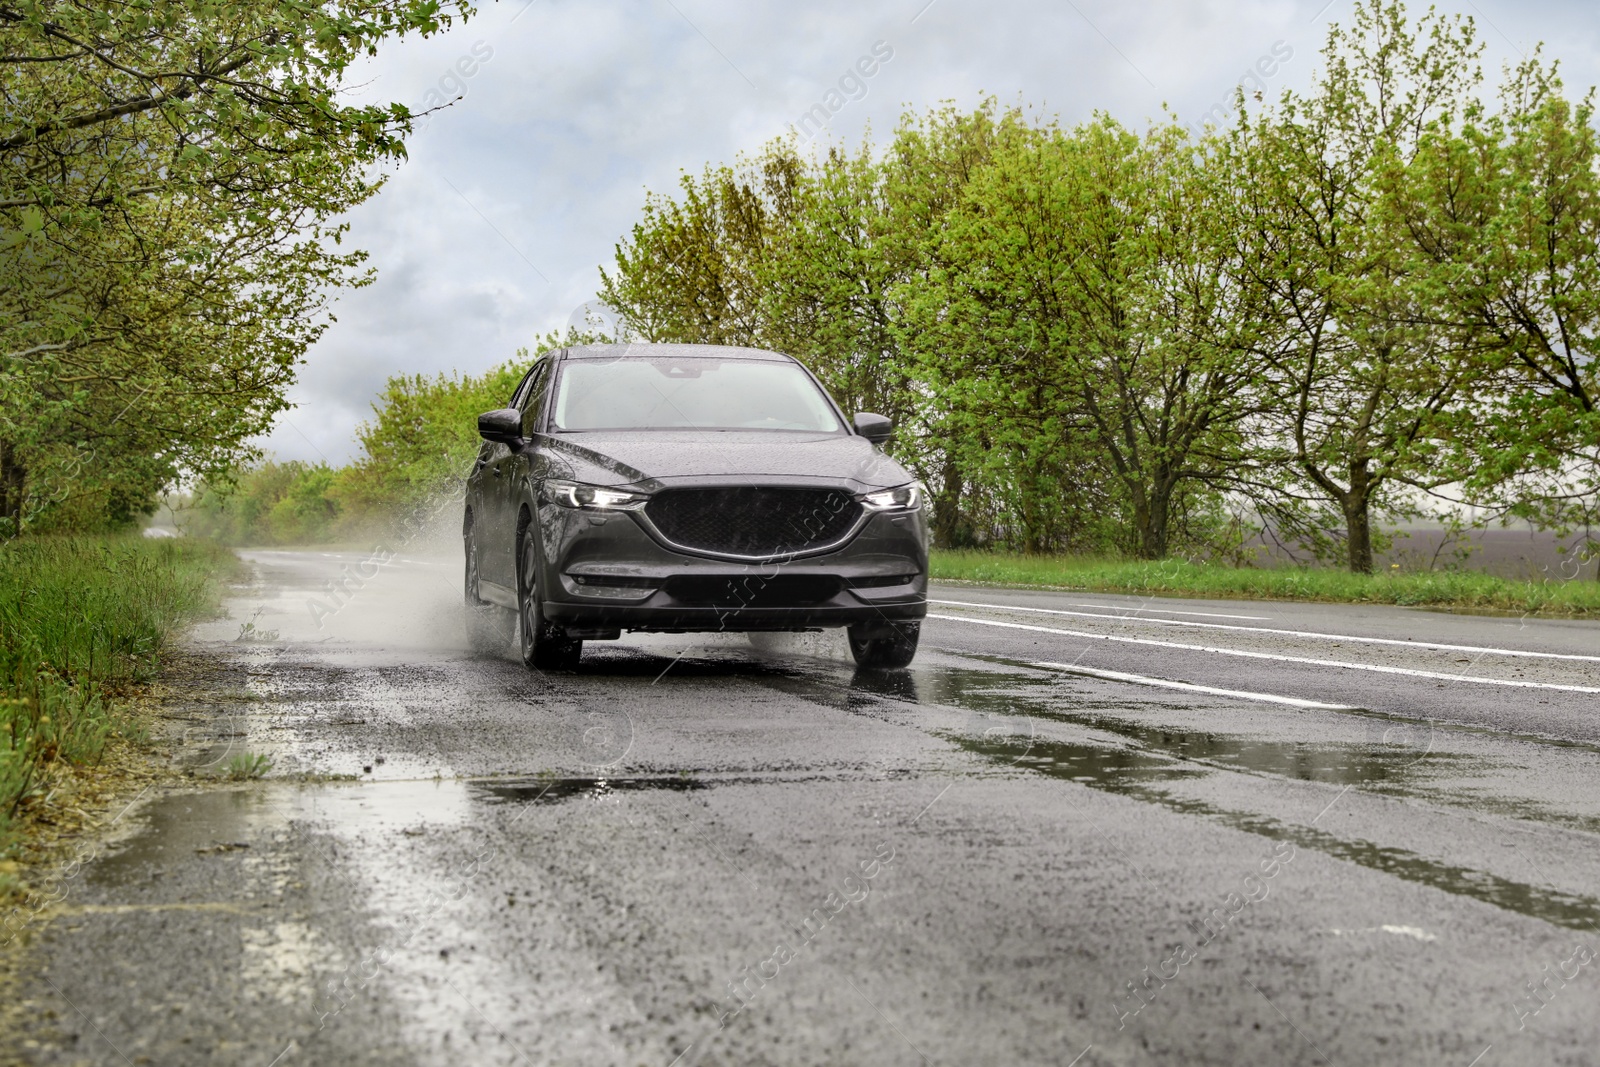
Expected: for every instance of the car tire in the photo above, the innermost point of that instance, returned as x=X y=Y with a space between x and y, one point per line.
x=488 y=626
x=545 y=646
x=884 y=646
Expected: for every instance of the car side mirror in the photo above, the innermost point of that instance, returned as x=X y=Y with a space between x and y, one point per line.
x=875 y=428
x=503 y=426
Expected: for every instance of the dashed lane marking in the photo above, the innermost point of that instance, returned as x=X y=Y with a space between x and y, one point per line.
x=1190 y=687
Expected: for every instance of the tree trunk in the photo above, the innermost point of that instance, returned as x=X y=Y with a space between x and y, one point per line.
x=1028 y=518
x=947 y=506
x=13 y=479
x=1358 y=519
x=1151 y=514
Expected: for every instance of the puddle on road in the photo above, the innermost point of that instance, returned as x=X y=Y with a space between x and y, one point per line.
x=1378 y=766
x=1136 y=774
x=1161 y=755
x=1399 y=757
x=1385 y=766
x=556 y=790
x=173 y=829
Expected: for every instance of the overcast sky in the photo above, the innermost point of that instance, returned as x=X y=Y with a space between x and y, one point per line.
x=493 y=231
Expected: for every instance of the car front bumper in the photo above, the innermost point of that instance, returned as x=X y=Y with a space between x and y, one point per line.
x=602 y=570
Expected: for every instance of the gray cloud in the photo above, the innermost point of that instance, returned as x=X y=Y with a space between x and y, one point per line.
x=494 y=229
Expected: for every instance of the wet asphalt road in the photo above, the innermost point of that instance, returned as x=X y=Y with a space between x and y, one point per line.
x=1081 y=830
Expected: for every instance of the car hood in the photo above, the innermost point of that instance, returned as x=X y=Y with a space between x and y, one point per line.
x=655 y=459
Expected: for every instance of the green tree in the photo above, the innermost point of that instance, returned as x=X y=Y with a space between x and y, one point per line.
x=272 y=503
x=827 y=282
x=1363 y=378
x=423 y=436
x=926 y=170
x=1072 y=313
x=1508 y=227
x=693 y=270
x=170 y=176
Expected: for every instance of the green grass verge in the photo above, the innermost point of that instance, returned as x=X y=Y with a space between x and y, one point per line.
x=1462 y=590
x=84 y=620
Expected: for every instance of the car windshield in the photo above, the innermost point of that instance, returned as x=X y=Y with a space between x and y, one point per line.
x=659 y=393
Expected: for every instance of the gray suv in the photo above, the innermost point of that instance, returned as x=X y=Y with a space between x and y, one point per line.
x=688 y=488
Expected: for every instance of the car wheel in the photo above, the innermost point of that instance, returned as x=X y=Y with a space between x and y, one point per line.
x=488 y=626
x=884 y=646
x=545 y=646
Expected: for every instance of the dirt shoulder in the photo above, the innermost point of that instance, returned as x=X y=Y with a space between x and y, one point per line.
x=172 y=736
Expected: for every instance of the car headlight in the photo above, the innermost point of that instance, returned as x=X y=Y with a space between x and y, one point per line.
x=901 y=498
x=579 y=495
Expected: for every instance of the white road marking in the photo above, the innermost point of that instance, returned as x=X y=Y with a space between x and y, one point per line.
x=1416 y=932
x=1190 y=687
x=1283 y=633
x=1377 y=668
x=1135 y=612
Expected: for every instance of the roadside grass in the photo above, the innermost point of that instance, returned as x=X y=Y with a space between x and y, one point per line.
x=247 y=765
x=1458 y=590
x=83 y=622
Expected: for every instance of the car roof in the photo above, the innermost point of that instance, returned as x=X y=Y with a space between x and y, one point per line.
x=674 y=351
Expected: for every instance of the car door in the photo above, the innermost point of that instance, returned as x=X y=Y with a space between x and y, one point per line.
x=527 y=469
x=496 y=476
x=476 y=490
x=494 y=549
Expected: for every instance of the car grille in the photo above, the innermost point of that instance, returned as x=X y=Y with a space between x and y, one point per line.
x=757 y=521
x=753 y=590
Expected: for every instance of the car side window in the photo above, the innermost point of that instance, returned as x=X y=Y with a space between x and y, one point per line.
x=522 y=388
x=533 y=399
